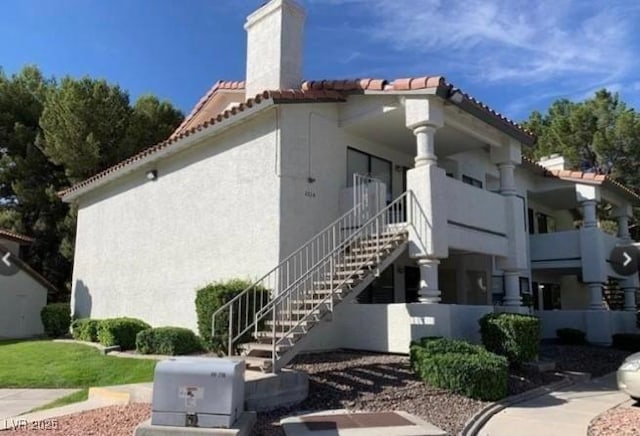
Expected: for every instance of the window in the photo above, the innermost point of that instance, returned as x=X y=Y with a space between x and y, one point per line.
x=546 y=224
x=471 y=181
x=530 y=221
x=380 y=291
x=359 y=162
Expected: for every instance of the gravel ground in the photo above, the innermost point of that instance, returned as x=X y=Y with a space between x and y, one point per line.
x=597 y=361
x=621 y=421
x=108 y=421
x=365 y=382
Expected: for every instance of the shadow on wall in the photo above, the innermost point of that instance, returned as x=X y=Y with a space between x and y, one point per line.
x=81 y=300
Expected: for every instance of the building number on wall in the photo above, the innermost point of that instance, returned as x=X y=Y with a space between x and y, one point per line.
x=310 y=194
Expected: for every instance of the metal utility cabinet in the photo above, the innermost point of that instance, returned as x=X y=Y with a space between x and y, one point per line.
x=198 y=392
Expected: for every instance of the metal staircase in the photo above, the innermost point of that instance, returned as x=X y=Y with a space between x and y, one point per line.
x=268 y=322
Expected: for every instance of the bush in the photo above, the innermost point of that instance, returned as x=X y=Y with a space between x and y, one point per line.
x=56 y=319
x=571 y=336
x=215 y=295
x=515 y=336
x=120 y=331
x=85 y=329
x=168 y=341
x=461 y=367
x=626 y=341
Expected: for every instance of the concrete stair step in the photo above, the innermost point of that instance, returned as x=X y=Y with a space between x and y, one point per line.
x=264 y=347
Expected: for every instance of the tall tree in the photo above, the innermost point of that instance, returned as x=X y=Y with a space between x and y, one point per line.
x=28 y=180
x=600 y=134
x=53 y=134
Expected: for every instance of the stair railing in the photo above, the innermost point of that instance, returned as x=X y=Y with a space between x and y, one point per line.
x=240 y=310
x=318 y=287
x=290 y=311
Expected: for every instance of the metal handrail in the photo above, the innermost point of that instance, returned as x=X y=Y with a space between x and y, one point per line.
x=403 y=211
x=287 y=272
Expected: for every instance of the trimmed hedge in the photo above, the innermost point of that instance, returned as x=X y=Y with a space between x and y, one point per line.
x=215 y=295
x=626 y=341
x=120 y=331
x=168 y=341
x=570 y=336
x=85 y=329
x=56 y=319
x=461 y=367
x=515 y=336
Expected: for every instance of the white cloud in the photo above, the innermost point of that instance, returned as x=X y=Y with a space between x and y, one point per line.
x=572 y=45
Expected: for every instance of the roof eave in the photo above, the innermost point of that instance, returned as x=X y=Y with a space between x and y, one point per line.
x=179 y=145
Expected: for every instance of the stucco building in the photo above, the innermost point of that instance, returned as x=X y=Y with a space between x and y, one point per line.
x=23 y=291
x=403 y=207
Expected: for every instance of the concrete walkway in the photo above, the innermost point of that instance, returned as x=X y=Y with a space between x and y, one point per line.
x=566 y=412
x=14 y=402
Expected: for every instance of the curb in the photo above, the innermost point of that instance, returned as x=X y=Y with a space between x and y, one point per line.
x=106 y=394
x=480 y=418
x=102 y=348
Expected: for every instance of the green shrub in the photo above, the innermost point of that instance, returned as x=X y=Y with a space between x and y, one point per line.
x=460 y=367
x=626 y=341
x=56 y=319
x=215 y=295
x=515 y=336
x=120 y=331
x=571 y=336
x=85 y=329
x=168 y=341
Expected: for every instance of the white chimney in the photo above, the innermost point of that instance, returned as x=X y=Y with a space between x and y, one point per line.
x=274 y=47
x=553 y=162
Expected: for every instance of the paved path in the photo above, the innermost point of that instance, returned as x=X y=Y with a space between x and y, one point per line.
x=566 y=412
x=14 y=402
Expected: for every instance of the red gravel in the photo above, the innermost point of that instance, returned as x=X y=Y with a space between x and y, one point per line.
x=621 y=421
x=108 y=421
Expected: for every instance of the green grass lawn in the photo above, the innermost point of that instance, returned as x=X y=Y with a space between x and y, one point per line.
x=47 y=364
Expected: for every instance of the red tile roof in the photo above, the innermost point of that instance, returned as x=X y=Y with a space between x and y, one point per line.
x=282 y=96
x=15 y=237
x=415 y=84
x=579 y=176
x=221 y=86
x=27 y=269
x=310 y=91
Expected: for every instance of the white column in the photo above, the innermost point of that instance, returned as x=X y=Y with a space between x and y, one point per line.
x=629 y=287
x=623 y=228
x=507 y=178
x=512 y=289
x=429 y=292
x=425 y=142
x=596 y=301
x=590 y=218
x=629 y=299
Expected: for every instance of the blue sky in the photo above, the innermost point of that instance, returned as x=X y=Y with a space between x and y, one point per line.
x=515 y=55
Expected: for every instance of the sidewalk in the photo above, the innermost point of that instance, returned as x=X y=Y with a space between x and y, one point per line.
x=566 y=412
x=14 y=402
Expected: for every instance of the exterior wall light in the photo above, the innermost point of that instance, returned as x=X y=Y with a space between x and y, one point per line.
x=152 y=175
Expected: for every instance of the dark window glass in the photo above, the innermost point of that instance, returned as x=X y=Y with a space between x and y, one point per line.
x=359 y=162
x=530 y=222
x=543 y=225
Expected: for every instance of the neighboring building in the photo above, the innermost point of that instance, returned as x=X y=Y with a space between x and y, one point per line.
x=23 y=292
x=259 y=167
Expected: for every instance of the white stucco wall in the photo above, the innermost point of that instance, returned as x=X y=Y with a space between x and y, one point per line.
x=313 y=145
x=21 y=299
x=391 y=327
x=143 y=247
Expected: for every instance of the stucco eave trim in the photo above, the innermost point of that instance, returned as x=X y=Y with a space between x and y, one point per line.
x=176 y=147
